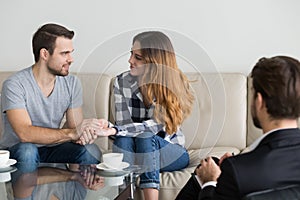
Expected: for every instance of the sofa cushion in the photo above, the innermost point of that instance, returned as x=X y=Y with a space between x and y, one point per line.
x=219 y=114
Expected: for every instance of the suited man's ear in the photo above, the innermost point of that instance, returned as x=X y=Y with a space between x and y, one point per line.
x=259 y=101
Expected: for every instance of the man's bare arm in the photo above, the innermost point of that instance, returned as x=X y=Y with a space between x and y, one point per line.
x=22 y=125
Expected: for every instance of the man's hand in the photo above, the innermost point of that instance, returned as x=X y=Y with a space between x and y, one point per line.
x=103 y=123
x=208 y=171
x=87 y=131
x=88 y=136
x=92 y=124
x=91 y=129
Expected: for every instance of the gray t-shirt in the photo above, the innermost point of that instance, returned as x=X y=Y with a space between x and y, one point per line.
x=20 y=91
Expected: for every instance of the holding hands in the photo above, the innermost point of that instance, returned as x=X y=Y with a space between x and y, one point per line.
x=86 y=131
x=90 y=129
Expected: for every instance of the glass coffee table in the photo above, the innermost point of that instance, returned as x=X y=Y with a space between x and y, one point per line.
x=125 y=179
x=54 y=181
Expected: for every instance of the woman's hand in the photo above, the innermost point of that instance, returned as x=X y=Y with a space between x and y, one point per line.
x=106 y=132
x=103 y=123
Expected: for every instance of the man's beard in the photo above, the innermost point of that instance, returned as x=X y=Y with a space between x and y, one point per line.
x=255 y=120
x=57 y=72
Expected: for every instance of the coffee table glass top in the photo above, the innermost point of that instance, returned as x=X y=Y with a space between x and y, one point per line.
x=55 y=181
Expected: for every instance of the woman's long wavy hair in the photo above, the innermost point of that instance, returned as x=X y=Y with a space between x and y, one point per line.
x=163 y=84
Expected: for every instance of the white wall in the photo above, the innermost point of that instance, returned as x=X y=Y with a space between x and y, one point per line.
x=227 y=36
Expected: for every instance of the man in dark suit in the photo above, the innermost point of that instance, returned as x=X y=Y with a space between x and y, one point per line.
x=274 y=159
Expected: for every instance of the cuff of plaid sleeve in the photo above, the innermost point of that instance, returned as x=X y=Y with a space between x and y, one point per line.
x=110 y=125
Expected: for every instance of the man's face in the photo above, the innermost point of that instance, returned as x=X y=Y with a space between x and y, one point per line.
x=255 y=119
x=59 y=62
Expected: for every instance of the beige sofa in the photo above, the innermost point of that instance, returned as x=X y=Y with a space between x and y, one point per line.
x=220 y=121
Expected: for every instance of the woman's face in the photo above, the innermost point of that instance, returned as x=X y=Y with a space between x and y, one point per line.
x=137 y=63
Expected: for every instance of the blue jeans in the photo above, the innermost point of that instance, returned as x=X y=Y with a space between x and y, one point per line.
x=152 y=151
x=29 y=155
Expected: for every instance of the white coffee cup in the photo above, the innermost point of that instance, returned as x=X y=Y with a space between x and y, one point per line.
x=113 y=160
x=4 y=177
x=113 y=181
x=4 y=157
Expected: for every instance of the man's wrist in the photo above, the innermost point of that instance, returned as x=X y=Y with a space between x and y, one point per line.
x=72 y=133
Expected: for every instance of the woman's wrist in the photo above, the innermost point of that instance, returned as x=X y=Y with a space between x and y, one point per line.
x=109 y=124
x=115 y=130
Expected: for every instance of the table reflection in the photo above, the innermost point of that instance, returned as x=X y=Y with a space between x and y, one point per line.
x=61 y=181
x=54 y=181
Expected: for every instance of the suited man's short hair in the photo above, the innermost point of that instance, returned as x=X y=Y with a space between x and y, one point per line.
x=278 y=81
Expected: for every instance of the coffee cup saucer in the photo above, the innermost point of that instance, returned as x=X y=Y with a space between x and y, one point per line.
x=104 y=167
x=8 y=163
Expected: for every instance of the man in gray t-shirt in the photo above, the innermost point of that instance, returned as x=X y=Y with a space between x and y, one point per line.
x=36 y=99
x=20 y=91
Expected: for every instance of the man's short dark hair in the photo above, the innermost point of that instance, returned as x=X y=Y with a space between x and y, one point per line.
x=45 y=37
x=278 y=81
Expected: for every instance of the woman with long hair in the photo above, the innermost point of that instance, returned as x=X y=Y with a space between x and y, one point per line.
x=151 y=102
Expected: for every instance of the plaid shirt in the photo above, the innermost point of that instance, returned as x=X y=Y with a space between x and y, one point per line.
x=131 y=116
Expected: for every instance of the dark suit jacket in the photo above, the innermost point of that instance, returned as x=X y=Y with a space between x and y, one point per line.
x=275 y=162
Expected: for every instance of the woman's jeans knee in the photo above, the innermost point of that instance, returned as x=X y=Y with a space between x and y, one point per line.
x=155 y=155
